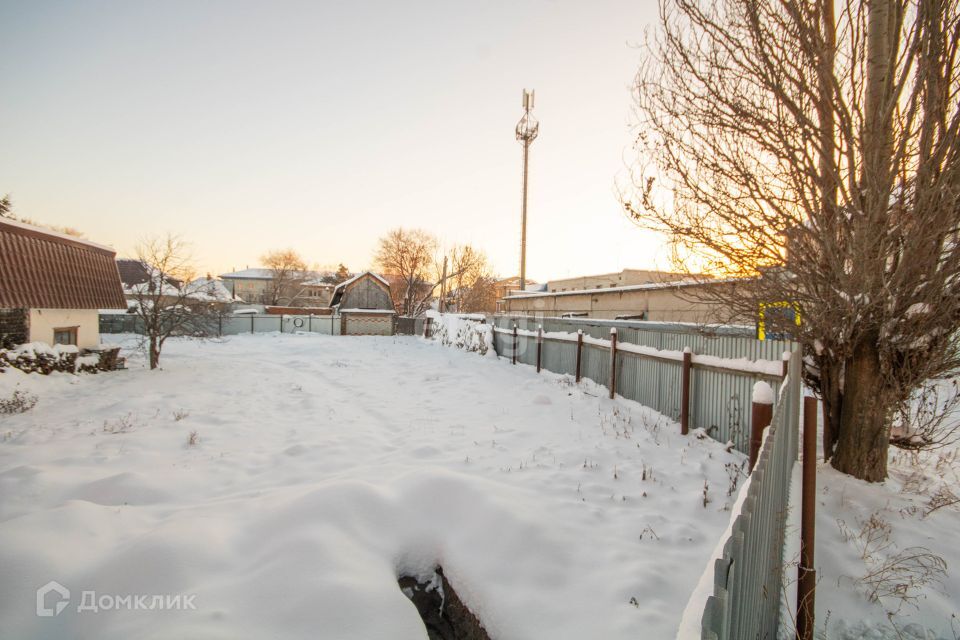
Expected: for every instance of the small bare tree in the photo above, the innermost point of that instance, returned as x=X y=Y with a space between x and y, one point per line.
x=290 y=274
x=167 y=304
x=812 y=148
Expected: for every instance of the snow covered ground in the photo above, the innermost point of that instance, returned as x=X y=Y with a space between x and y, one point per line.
x=892 y=531
x=281 y=483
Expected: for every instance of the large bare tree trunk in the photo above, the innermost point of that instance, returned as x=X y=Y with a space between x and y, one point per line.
x=863 y=439
x=832 y=397
x=864 y=431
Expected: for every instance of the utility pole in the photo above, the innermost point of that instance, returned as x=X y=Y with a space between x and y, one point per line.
x=527 y=130
x=443 y=287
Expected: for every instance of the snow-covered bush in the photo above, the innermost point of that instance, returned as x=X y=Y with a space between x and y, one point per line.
x=467 y=332
x=18 y=402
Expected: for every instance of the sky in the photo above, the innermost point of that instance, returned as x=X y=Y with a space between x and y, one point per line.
x=250 y=126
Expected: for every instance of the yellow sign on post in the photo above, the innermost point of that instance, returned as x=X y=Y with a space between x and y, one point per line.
x=770 y=312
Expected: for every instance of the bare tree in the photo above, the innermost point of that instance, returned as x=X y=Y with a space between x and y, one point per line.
x=406 y=256
x=290 y=274
x=812 y=148
x=167 y=304
x=480 y=296
x=470 y=281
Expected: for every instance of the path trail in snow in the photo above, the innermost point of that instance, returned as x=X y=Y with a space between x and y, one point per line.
x=327 y=466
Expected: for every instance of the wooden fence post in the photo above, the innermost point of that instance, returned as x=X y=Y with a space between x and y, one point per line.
x=807 y=575
x=760 y=417
x=579 y=351
x=515 y=344
x=685 y=391
x=539 y=346
x=613 y=362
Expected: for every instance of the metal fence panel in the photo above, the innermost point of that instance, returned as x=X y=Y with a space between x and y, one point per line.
x=120 y=323
x=747 y=578
x=234 y=325
x=652 y=383
x=560 y=357
x=595 y=364
x=265 y=324
x=231 y=325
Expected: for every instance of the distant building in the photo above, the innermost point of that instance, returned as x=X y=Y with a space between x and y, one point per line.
x=506 y=287
x=364 y=305
x=210 y=289
x=624 y=278
x=305 y=289
x=52 y=286
x=671 y=301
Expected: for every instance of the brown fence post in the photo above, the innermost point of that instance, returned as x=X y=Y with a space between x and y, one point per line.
x=539 y=346
x=426 y=327
x=807 y=575
x=613 y=362
x=515 y=344
x=760 y=417
x=251 y=323
x=685 y=391
x=579 y=351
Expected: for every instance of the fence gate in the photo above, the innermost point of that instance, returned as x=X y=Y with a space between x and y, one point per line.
x=368 y=325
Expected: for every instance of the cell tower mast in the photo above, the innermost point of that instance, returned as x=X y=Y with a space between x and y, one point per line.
x=527 y=130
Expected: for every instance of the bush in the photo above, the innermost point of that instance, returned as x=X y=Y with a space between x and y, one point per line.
x=463 y=332
x=19 y=402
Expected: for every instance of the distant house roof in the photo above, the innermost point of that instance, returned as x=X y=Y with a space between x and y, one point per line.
x=41 y=269
x=132 y=271
x=633 y=287
x=346 y=283
x=210 y=290
x=340 y=288
x=249 y=274
x=312 y=278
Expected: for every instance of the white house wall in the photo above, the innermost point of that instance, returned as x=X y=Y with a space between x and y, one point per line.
x=44 y=321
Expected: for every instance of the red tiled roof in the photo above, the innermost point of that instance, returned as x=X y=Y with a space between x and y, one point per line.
x=42 y=269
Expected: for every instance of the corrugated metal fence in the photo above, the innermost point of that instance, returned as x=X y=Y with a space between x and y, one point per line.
x=726 y=363
x=234 y=325
x=748 y=577
x=720 y=396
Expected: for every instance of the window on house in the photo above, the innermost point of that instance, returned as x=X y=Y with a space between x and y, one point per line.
x=65 y=335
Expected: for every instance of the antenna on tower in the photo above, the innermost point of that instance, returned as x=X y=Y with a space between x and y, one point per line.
x=527 y=130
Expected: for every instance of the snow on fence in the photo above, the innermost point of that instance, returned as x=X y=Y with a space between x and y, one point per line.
x=721 y=369
x=743 y=587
